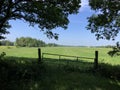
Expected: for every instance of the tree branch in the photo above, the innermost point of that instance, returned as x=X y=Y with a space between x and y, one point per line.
x=8 y=14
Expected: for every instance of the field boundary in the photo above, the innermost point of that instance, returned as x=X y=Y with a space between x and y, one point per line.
x=59 y=56
x=41 y=57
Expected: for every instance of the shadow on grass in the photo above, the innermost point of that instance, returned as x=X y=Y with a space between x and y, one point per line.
x=27 y=74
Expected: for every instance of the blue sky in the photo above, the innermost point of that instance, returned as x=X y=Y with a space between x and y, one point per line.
x=76 y=33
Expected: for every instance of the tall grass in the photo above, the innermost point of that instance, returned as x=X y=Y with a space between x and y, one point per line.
x=20 y=71
x=27 y=75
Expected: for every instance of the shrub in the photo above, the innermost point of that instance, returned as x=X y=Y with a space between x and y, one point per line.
x=2 y=55
x=110 y=71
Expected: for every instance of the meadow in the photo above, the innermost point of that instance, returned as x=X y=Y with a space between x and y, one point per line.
x=20 y=69
x=72 y=51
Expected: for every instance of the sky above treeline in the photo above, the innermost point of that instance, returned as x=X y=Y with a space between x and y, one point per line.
x=76 y=34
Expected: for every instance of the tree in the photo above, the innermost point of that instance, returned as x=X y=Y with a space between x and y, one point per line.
x=106 y=22
x=115 y=51
x=47 y=14
x=6 y=43
x=52 y=45
x=29 y=42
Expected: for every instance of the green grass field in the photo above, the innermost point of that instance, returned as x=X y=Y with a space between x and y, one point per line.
x=73 y=51
x=19 y=72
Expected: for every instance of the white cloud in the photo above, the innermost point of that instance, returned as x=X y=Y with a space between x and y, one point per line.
x=84 y=5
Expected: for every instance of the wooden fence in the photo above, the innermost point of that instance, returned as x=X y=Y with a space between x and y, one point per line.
x=41 y=56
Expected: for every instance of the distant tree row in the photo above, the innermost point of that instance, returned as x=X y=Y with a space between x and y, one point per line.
x=6 y=43
x=52 y=45
x=27 y=42
x=107 y=46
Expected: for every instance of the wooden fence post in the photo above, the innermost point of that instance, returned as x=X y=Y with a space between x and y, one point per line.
x=59 y=57
x=39 y=55
x=96 y=60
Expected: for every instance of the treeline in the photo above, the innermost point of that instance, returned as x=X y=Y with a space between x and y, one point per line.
x=107 y=46
x=6 y=43
x=27 y=42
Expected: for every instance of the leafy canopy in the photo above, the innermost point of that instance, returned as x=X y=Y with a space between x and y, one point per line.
x=47 y=14
x=106 y=22
x=29 y=42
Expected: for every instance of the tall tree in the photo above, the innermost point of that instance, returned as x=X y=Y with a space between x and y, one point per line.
x=47 y=14
x=29 y=42
x=106 y=22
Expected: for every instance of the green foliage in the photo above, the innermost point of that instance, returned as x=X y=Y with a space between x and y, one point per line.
x=29 y=42
x=52 y=45
x=109 y=71
x=115 y=51
x=26 y=74
x=22 y=72
x=3 y=28
x=6 y=43
x=106 y=22
x=46 y=14
x=2 y=55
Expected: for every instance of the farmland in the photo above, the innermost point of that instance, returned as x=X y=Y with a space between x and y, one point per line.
x=50 y=76
x=73 y=51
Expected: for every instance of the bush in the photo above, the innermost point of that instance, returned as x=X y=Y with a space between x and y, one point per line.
x=2 y=55
x=110 y=71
